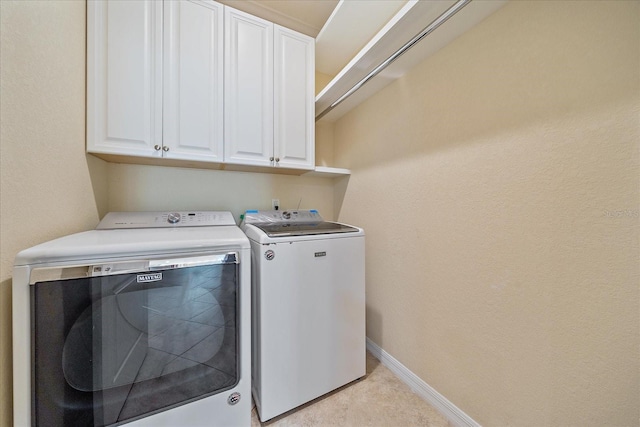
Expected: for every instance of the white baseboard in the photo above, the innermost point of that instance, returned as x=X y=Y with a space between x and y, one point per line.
x=454 y=414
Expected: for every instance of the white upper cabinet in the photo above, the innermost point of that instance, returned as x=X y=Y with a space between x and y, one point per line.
x=294 y=71
x=198 y=81
x=124 y=77
x=248 y=106
x=269 y=84
x=193 y=80
x=155 y=82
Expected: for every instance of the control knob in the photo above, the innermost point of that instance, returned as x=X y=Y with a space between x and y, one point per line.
x=173 y=218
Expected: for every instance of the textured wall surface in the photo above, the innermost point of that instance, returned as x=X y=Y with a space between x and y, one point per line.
x=498 y=183
x=321 y=81
x=48 y=188
x=140 y=188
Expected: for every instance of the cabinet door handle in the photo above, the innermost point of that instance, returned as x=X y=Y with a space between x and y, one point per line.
x=277 y=159
x=165 y=148
x=271 y=159
x=157 y=147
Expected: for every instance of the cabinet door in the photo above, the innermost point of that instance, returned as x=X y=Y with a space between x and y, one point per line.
x=124 y=80
x=294 y=121
x=248 y=89
x=193 y=80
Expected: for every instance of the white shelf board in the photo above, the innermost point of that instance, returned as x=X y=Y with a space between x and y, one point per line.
x=406 y=24
x=328 y=172
x=345 y=33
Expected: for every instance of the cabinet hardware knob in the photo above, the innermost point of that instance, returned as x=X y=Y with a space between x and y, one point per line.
x=165 y=148
x=277 y=159
x=271 y=159
x=157 y=147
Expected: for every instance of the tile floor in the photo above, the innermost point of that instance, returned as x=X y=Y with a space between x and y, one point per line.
x=378 y=399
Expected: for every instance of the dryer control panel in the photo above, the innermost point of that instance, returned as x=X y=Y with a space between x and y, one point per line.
x=119 y=220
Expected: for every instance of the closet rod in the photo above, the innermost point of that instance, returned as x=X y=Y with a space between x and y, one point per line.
x=425 y=32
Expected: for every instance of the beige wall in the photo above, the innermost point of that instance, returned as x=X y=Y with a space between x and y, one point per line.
x=139 y=188
x=515 y=149
x=324 y=144
x=321 y=81
x=498 y=183
x=49 y=187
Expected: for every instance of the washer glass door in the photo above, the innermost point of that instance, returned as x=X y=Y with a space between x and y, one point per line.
x=133 y=338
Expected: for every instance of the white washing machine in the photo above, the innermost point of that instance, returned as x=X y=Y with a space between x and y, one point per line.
x=144 y=321
x=308 y=300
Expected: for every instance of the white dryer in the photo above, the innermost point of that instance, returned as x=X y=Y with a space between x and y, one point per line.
x=308 y=299
x=144 y=321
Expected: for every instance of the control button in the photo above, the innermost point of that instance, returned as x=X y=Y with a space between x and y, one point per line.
x=173 y=218
x=286 y=215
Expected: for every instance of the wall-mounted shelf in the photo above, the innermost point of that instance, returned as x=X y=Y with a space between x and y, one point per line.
x=318 y=172
x=404 y=26
x=345 y=33
x=327 y=172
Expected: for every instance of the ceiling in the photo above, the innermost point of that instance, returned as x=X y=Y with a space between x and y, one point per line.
x=305 y=16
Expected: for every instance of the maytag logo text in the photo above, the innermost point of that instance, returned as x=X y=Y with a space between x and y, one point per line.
x=145 y=278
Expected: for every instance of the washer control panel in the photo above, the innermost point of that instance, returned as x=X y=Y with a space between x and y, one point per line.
x=118 y=220
x=304 y=216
